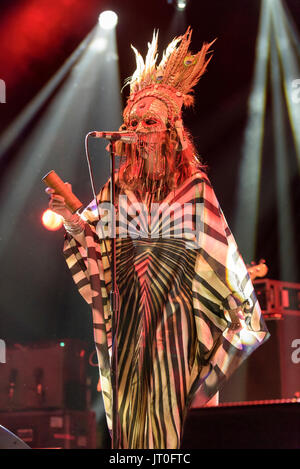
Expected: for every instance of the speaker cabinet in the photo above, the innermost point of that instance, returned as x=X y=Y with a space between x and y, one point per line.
x=44 y=375
x=265 y=426
x=273 y=370
x=55 y=429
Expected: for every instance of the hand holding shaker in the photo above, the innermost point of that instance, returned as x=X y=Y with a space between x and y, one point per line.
x=52 y=180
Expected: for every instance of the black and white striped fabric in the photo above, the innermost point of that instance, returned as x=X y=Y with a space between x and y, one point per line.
x=181 y=290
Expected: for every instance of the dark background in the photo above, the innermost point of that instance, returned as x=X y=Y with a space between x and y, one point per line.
x=38 y=299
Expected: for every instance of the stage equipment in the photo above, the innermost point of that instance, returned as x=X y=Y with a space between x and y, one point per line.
x=126 y=137
x=52 y=429
x=44 y=375
x=108 y=19
x=277 y=362
x=51 y=220
x=277 y=298
x=181 y=4
x=114 y=292
x=248 y=425
x=10 y=441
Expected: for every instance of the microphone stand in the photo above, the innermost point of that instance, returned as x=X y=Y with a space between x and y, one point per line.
x=114 y=293
x=114 y=302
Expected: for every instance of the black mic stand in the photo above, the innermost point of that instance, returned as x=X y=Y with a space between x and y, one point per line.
x=115 y=305
x=114 y=293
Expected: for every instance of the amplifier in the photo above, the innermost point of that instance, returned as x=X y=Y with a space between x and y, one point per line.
x=274 y=425
x=52 y=429
x=44 y=376
x=273 y=370
x=276 y=297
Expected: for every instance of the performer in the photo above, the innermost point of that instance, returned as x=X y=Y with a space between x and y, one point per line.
x=188 y=311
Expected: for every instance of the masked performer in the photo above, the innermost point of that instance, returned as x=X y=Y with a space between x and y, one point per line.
x=188 y=312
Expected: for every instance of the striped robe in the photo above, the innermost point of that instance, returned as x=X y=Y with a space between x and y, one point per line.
x=179 y=300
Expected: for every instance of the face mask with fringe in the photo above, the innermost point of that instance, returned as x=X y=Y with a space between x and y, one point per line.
x=153 y=111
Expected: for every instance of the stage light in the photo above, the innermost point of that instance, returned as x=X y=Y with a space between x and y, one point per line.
x=181 y=4
x=108 y=19
x=51 y=220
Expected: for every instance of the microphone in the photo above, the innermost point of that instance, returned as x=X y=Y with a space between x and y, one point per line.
x=126 y=137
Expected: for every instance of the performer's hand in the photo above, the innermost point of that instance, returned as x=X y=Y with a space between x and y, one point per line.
x=57 y=203
x=237 y=320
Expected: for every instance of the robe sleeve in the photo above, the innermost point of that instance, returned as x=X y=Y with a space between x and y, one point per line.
x=90 y=270
x=228 y=318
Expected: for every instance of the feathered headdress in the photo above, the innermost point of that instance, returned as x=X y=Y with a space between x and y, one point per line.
x=173 y=80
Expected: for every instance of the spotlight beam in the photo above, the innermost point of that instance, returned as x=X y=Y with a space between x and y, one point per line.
x=291 y=27
x=56 y=141
x=250 y=168
x=285 y=219
x=20 y=123
x=290 y=68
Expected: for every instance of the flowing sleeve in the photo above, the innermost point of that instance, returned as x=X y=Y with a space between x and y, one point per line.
x=228 y=318
x=89 y=267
